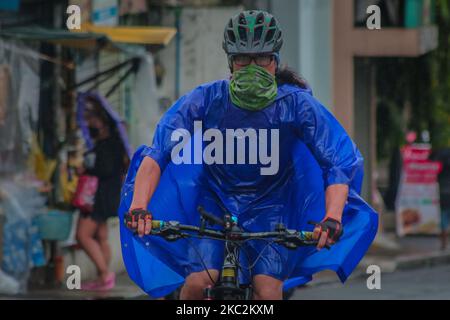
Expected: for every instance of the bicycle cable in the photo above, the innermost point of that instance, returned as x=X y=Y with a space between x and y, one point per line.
x=201 y=259
x=270 y=243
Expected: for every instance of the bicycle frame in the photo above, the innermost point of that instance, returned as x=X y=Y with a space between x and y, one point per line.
x=227 y=287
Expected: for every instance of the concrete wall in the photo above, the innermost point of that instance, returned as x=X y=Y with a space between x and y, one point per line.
x=202 y=57
x=364 y=120
x=307 y=44
x=288 y=14
x=316 y=47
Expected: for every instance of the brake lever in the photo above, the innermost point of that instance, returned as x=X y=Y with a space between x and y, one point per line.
x=171 y=231
x=210 y=218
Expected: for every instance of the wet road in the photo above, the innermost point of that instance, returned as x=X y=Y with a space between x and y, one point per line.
x=427 y=283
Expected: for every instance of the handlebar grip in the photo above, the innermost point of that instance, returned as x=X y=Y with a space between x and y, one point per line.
x=157 y=224
x=308 y=235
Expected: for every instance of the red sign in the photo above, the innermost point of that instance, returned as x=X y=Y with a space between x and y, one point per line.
x=422 y=172
x=417 y=204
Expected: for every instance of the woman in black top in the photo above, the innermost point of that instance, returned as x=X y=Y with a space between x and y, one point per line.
x=106 y=161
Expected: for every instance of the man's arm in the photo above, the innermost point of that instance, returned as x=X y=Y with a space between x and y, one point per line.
x=156 y=157
x=338 y=158
x=147 y=179
x=335 y=199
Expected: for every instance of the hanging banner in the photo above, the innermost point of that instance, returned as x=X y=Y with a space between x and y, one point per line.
x=417 y=203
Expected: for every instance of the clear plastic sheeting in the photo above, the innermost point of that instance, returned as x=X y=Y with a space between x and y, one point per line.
x=8 y=285
x=19 y=103
x=22 y=246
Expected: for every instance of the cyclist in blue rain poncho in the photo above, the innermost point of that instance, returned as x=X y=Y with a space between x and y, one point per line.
x=258 y=146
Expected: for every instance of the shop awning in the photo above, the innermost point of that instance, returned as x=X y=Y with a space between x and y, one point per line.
x=135 y=35
x=58 y=36
x=91 y=37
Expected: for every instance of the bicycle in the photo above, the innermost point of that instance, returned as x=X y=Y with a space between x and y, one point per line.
x=228 y=287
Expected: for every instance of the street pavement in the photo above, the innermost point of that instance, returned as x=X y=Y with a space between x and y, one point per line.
x=124 y=289
x=424 y=284
x=416 y=269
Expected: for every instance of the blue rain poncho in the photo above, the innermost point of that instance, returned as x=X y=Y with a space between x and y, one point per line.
x=314 y=152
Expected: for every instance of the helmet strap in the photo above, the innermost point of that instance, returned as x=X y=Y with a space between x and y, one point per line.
x=277 y=59
x=230 y=63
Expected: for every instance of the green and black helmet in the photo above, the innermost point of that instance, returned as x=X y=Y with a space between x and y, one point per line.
x=252 y=32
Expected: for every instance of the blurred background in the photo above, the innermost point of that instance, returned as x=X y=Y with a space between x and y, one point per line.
x=389 y=88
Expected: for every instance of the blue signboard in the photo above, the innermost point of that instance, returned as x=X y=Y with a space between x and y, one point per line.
x=10 y=5
x=105 y=12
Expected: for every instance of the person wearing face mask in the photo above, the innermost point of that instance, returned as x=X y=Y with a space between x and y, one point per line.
x=106 y=162
x=318 y=177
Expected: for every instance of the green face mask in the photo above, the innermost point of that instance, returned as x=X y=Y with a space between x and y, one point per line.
x=253 y=88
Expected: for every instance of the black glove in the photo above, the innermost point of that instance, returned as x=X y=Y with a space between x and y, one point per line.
x=134 y=216
x=334 y=228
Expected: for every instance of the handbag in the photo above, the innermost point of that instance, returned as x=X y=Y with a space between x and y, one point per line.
x=85 y=193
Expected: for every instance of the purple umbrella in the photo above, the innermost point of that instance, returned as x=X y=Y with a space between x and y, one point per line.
x=119 y=123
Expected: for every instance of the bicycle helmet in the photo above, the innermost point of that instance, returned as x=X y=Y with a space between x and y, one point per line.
x=252 y=32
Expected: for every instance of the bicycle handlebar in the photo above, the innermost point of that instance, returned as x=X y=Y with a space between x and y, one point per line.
x=173 y=230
